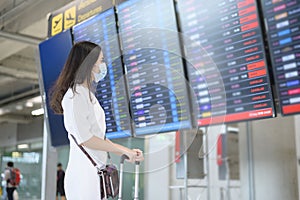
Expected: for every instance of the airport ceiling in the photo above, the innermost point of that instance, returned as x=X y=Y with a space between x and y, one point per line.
x=23 y=25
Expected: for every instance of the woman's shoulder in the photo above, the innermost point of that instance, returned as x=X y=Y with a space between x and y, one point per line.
x=81 y=93
x=81 y=88
x=77 y=91
x=71 y=94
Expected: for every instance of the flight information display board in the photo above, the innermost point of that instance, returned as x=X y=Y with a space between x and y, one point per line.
x=227 y=68
x=283 y=29
x=111 y=92
x=154 y=67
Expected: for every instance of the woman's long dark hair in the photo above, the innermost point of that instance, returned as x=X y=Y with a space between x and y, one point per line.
x=76 y=70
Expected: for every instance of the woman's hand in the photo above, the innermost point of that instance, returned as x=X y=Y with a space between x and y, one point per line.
x=131 y=154
x=139 y=155
x=134 y=155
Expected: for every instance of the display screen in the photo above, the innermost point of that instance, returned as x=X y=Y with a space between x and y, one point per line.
x=53 y=55
x=226 y=61
x=283 y=29
x=111 y=92
x=154 y=67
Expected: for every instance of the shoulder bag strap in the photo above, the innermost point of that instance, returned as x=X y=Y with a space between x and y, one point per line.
x=108 y=154
x=84 y=151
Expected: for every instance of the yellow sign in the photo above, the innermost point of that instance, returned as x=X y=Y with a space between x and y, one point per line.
x=57 y=24
x=76 y=12
x=70 y=17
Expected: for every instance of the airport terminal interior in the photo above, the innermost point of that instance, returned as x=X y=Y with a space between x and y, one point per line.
x=208 y=90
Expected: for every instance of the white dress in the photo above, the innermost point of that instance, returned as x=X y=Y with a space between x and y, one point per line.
x=83 y=119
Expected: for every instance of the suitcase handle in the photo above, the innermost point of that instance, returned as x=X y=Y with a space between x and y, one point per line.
x=136 y=182
x=137 y=171
x=123 y=158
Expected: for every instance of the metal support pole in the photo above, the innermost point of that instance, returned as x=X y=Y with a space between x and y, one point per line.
x=185 y=161
x=250 y=160
x=206 y=158
x=228 y=178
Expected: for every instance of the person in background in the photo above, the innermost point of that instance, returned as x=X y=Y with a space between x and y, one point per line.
x=73 y=96
x=60 y=190
x=10 y=189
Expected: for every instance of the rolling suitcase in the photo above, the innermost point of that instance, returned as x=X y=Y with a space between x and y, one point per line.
x=136 y=184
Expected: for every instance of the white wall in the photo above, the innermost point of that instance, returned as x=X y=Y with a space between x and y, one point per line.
x=297 y=139
x=157 y=162
x=274 y=159
x=244 y=162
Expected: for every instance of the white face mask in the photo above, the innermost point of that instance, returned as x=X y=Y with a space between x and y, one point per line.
x=103 y=71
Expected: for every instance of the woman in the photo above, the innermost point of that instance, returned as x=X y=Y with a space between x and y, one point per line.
x=72 y=96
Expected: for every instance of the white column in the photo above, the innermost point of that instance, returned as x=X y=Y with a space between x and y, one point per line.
x=49 y=167
x=297 y=139
x=157 y=162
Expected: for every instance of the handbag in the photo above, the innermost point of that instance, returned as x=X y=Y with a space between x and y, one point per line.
x=108 y=176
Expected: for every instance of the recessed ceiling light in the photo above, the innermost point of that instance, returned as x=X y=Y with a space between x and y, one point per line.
x=23 y=146
x=19 y=107
x=4 y=111
x=37 y=112
x=37 y=99
x=29 y=104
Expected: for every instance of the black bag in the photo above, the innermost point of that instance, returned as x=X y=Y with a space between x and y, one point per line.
x=109 y=181
x=109 y=176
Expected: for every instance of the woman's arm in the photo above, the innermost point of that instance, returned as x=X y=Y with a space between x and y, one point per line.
x=139 y=153
x=106 y=145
